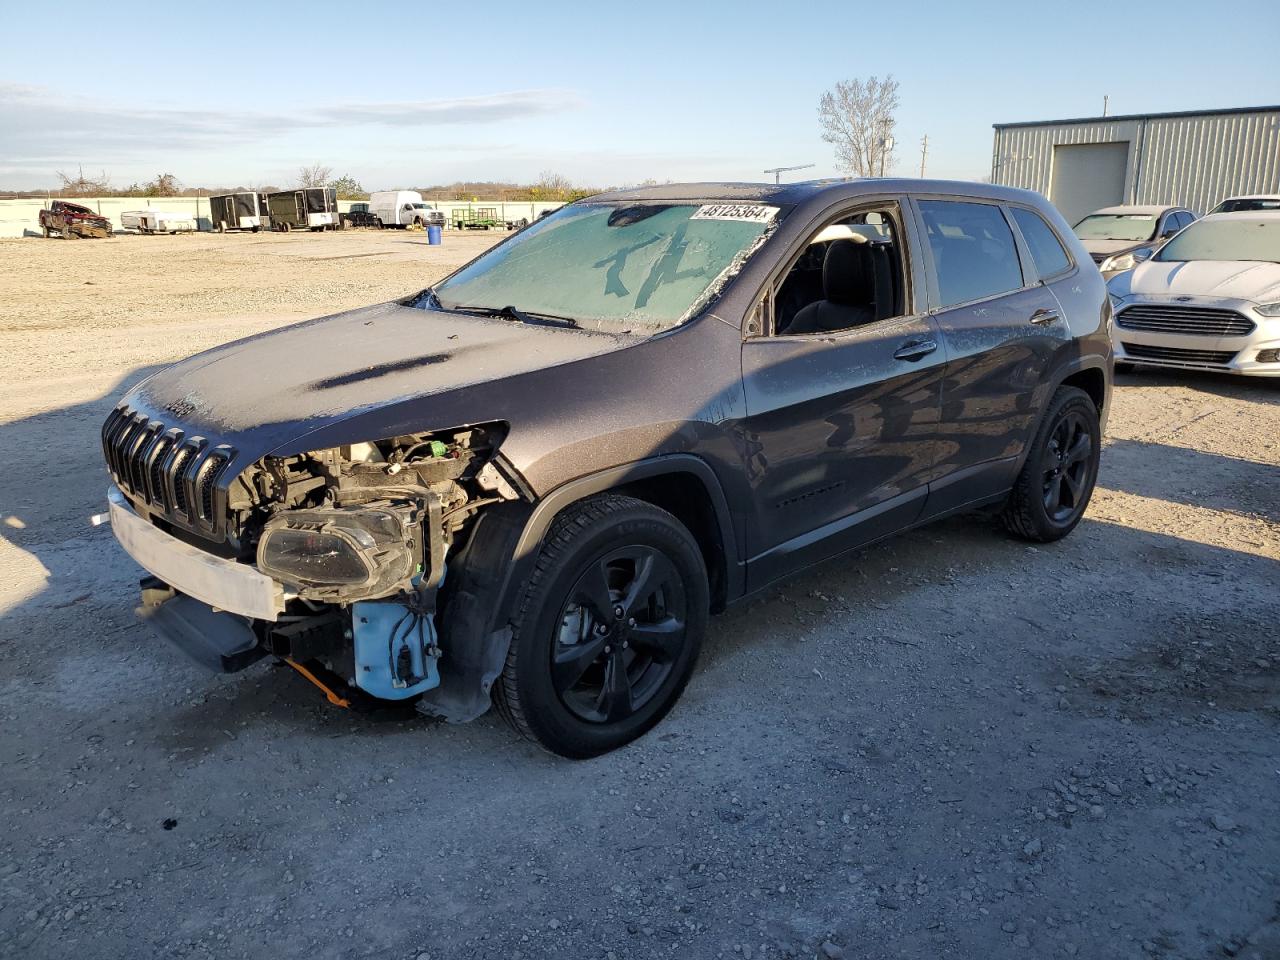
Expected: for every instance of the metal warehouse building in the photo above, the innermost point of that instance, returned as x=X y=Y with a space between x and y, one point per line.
x=1192 y=159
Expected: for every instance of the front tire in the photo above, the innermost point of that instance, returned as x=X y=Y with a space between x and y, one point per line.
x=1057 y=479
x=608 y=630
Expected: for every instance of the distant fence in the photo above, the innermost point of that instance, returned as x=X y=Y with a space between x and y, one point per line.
x=21 y=217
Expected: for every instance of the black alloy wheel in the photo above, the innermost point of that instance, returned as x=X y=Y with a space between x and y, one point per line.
x=1066 y=466
x=1061 y=467
x=620 y=634
x=608 y=630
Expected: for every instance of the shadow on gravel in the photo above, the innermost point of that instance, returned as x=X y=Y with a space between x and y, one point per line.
x=1259 y=389
x=1193 y=477
x=1189 y=665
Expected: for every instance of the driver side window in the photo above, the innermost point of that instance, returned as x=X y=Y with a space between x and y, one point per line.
x=850 y=274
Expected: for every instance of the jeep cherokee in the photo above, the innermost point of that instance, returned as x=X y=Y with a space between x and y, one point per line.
x=532 y=483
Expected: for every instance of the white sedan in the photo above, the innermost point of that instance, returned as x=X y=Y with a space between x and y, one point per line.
x=1208 y=300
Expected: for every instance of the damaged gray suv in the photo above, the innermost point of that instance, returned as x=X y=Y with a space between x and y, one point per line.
x=531 y=484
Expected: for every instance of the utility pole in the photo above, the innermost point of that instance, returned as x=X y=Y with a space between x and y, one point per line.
x=1106 y=101
x=886 y=141
x=924 y=153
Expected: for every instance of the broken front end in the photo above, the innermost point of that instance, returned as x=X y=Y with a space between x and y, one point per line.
x=336 y=560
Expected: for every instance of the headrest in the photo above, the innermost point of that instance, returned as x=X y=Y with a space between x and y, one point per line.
x=848 y=276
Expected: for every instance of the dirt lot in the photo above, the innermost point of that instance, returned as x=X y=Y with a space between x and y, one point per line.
x=951 y=745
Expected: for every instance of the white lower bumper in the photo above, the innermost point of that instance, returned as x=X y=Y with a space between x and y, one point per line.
x=1238 y=354
x=221 y=583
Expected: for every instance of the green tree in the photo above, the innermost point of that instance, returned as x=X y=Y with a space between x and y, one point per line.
x=349 y=188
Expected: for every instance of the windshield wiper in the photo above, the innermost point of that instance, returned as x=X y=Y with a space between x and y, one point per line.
x=521 y=316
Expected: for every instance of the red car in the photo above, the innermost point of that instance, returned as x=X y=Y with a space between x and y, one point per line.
x=70 y=220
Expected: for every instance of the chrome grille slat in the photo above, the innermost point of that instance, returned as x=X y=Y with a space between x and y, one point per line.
x=175 y=476
x=1195 y=321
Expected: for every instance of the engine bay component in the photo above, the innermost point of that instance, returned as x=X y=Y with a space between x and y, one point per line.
x=344 y=553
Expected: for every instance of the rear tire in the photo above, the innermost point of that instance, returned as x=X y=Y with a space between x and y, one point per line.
x=1053 y=489
x=608 y=629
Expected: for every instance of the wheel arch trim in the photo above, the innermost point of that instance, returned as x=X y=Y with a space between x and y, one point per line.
x=550 y=506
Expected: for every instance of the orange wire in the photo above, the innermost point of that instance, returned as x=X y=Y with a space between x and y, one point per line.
x=336 y=700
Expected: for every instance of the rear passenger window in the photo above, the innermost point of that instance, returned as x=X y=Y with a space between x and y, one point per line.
x=973 y=250
x=1046 y=249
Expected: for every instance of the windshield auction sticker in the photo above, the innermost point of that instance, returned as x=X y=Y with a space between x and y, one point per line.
x=750 y=212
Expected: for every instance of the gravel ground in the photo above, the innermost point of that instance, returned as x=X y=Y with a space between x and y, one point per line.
x=950 y=745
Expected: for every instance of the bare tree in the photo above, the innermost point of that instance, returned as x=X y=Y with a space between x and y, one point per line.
x=553 y=186
x=82 y=186
x=857 y=118
x=316 y=175
x=164 y=185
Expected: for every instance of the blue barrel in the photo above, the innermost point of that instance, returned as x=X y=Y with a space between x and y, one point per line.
x=433 y=235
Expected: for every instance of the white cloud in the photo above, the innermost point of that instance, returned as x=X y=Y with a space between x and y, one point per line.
x=37 y=122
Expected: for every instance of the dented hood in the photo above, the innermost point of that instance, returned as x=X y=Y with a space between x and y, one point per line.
x=274 y=388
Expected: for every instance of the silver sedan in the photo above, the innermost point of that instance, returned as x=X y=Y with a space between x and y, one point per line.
x=1208 y=300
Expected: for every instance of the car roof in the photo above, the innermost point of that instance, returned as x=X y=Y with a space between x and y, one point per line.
x=1245 y=215
x=1250 y=196
x=1137 y=209
x=805 y=190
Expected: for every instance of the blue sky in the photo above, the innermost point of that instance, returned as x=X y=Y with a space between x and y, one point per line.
x=401 y=94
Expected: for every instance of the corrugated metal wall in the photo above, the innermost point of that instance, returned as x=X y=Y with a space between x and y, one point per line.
x=1193 y=161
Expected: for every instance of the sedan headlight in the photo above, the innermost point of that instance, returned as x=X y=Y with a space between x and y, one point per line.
x=1126 y=261
x=344 y=553
x=1268 y=309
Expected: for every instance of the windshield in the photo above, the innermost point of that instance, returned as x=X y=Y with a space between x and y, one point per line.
x=421 y=206
x=637 y=266
x=1237 y=204
x=1117 y=226
x=1245 y=238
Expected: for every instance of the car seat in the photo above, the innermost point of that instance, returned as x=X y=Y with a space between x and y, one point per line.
x=848 y=287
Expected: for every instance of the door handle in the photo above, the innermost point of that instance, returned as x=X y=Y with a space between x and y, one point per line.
x=915 y=350
x=1044 y=316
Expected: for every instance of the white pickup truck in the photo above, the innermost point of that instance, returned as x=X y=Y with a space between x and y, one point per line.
x=404 y=208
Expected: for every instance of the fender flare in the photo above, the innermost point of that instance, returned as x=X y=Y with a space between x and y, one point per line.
x=1068 y=368
x=547 y=508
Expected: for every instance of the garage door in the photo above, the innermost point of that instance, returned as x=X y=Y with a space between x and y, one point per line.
x=1087 y=176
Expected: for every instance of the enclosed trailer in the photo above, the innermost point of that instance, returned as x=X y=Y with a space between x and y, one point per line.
x=237 y=211
x=311 y=208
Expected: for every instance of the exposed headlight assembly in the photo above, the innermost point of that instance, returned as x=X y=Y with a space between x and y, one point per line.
x=1268 y=309
x=344 y=553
